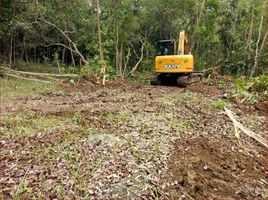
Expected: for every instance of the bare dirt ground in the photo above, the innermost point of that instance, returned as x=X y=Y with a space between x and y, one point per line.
x=130 y=141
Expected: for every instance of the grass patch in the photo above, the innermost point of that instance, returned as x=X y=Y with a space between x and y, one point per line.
x=190 y=97
x=180 y=98
x=220 y=104
x=21 y=125
x=14 y=88
x=123 y=115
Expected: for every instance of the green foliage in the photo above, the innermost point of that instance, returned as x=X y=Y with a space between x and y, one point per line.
x=26 y=124
x=77 y=117
x=260 y=83
x=94 y=68
x=85 y=71
x=22 y=189
x=224 y=32
x=250 y=89
x=221 y=84
x=240 y=85
x=220 y=104
x=55 y=58
x=118 y=117
x=190 y=97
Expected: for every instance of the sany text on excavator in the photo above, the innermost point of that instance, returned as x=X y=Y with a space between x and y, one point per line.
x=175 y=65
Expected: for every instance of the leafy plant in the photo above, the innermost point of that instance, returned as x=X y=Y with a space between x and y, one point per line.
x=77 y=117
x=240 y=85
x=260 y=83
x=221 y=84
x=220 y=104
x=250 y=89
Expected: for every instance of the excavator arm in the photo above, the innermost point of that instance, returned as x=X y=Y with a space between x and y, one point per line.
x=183 y=43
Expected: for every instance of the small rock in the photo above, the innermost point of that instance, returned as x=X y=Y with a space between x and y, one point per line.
x=206 y=167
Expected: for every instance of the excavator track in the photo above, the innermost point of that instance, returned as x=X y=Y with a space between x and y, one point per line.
x=195 y=77
x=182 y=81
x=179 y=80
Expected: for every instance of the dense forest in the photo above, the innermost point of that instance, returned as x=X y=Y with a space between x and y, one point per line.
x=121 y=34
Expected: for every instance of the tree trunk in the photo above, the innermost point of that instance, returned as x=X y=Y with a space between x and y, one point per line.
x=116 y=51
x=14 y=49
x=121 y=59
x=70 y=46
x=255 y=66
x=11 y=50
x=99 y=30
x=63 y=55
x=103 y=68
x=48 y=55
x=233 y=29
x=198 y=19
x=72 y=56
x=58 y=65
x=143 y=43
x=26 y=58
x=251 y=23
x=23 y=47
x=263 y=41
x=126 y=62
x=35 y=54
x=249 y=38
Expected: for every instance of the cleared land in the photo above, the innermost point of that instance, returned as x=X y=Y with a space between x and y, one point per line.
x=127 y=141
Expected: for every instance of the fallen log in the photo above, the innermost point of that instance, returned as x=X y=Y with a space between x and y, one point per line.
x=28 y=79
x=38 y=74
x=245 y=130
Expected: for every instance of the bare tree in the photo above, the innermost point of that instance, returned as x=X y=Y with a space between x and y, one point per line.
x=99 y=29
x=126 y=62
x=256 y=59
x=251 y=22
x=103 y=68
x=140 y=57
x=117 y=50
x=263 y=41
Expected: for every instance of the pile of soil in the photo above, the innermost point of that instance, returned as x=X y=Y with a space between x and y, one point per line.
x=211 y=168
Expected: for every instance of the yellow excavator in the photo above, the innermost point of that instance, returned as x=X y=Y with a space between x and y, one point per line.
x=174 y=64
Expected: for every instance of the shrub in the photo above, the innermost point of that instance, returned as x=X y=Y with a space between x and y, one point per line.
x=94 y=68
x=220 y=104
x=221 y=84
x=250 y=89
x=260 y=83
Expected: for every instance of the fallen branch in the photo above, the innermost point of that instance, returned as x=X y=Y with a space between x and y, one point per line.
x=28 y=79
x=38 y=74
x=212 y=69
x=245 y=129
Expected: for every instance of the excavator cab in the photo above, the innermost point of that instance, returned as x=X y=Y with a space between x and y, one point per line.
x=165 y=47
